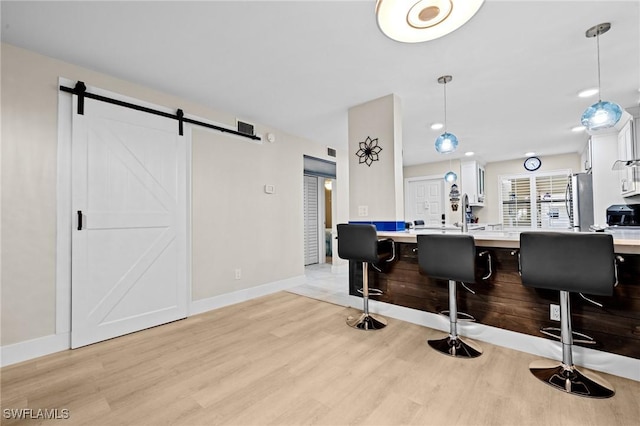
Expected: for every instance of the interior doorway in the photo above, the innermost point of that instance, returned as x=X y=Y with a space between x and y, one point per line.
x=319 y=210
x=312 y=217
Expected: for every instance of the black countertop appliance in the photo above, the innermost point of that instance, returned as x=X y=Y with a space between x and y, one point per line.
x=623 y=215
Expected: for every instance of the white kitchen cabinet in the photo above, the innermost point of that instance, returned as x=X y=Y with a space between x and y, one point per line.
x=472 y=182
x=628 y=177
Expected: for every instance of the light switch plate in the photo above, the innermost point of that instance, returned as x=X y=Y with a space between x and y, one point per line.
x=269 y=189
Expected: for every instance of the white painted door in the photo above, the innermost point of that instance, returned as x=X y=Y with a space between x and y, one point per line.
x=311 y=228
x=129 y=267
x=424 y=201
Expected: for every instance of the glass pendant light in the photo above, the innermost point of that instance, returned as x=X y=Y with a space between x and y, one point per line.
x=446 y=142
x=602 y=114
x=450 y=177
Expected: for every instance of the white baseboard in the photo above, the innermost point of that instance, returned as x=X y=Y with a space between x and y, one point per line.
x=204 y=305
x=29 y=349
x=592 y=359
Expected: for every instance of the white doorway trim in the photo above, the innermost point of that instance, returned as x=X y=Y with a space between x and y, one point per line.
x=63 y=206
x=322 y=249
x=445 y=205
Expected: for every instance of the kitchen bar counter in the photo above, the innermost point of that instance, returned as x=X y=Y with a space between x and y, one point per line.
x=625 y=241
x=502 y=301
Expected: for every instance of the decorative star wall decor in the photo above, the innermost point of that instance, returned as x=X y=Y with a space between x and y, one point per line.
x=368 y=152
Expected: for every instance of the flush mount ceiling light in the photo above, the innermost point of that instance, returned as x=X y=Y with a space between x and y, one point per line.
x=446 y=142
x=450 y=177
x=602 y=114
x=412 y=21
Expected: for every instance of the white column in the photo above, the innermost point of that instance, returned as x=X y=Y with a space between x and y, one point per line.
x=376 y=193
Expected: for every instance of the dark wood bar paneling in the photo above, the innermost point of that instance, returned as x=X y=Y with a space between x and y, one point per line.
x=502 y=301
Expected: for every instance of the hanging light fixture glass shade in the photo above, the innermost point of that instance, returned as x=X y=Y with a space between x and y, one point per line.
x=450 y=177
x=446 y=143
x=602 y=114
x=412 y=21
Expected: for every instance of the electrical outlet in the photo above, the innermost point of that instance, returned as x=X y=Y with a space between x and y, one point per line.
x=554 y=312
x=238 y=273
x=363 y=211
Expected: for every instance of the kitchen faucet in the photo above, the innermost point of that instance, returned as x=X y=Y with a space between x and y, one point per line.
x=465 y=205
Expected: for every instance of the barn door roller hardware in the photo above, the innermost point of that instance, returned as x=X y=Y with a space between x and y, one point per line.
x=80 y=90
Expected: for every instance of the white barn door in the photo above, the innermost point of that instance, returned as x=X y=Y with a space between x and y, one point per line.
x=129 y=259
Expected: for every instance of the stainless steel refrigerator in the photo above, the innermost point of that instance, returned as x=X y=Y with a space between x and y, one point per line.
x=579 y=201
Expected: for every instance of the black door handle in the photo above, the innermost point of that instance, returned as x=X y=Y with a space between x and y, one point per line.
x=79 y=220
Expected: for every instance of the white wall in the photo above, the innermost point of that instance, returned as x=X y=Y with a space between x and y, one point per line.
x=606 y=183
x=235 y=224
x=490 y=212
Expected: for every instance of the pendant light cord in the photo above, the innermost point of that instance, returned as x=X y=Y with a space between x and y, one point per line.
x=445 y=106
x=598 y=49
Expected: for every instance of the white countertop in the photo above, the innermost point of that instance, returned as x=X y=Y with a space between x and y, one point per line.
x=625 y=240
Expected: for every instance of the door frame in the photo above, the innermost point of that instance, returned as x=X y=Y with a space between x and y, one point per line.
x=322 y=249
x=428 y=177
x=64 y=216
x=333 y=236
x=321 y=217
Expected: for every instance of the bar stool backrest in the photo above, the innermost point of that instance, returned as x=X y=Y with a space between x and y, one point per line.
x=447 y=257
x=574 y=262
x=358 y=242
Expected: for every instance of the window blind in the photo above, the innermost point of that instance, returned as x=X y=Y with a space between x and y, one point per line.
x=551 y=206
x=535 y=201
x=516 y=202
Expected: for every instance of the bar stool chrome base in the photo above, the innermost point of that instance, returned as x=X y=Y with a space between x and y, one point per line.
x=455 y=347
x=570 y=380
x=367 y=322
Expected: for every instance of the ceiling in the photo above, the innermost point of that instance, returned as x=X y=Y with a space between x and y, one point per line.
x=298 y=66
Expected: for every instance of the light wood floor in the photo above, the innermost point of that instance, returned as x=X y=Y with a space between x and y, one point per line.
x=289 y=360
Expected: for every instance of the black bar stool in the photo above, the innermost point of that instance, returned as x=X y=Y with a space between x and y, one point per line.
x=359 y=243
x=569 y=262
x=453 y=258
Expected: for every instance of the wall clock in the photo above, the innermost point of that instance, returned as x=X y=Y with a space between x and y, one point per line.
x=532 y=163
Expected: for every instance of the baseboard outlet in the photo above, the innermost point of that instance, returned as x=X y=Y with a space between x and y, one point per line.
x=30 y=349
